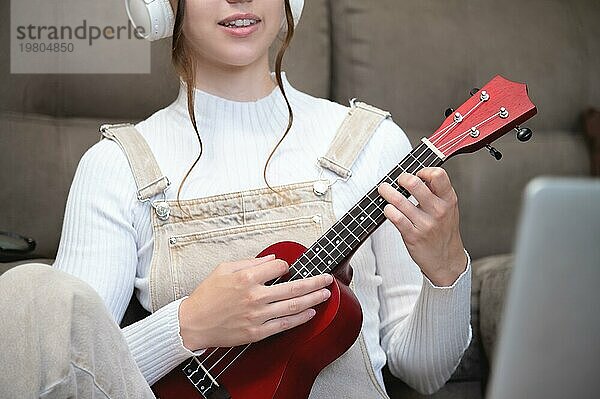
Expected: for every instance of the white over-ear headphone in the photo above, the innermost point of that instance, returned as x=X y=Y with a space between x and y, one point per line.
x=156 y=17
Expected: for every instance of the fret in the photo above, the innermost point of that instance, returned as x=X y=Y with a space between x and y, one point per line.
x=367 y=200
x=360 y=219
x=389 y=179
x=353 y=225
x=351 y=234
x=322 y=261
x=330 y=246
x=416 y=159
x=314 y=267
x=302 y=271
x=375 y=206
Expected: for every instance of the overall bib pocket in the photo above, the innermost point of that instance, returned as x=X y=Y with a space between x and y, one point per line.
x=194 y=256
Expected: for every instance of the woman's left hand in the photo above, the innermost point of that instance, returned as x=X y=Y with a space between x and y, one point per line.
x=430 y=231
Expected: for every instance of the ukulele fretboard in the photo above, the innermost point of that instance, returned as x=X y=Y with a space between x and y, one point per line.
x=346 y=235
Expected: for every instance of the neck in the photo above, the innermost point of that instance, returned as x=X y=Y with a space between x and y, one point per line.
x=237 y=83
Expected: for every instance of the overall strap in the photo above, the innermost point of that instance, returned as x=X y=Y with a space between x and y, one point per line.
x=149 y=180
x=354 y=132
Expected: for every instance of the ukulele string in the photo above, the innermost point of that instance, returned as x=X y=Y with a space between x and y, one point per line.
x=435 y=139
x=370 y=214
x=458 y=139
x=433 y=156
x=428 y=159
x=442 y=133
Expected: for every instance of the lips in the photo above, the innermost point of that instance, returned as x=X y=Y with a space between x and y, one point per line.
x=240 y=25
x=240 y=20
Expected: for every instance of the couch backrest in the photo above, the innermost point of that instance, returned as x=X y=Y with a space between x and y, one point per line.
x=417 y=58
x=48 y=121
x=412 y=58
x=135 y=97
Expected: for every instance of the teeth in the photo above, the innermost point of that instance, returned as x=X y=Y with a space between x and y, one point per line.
x=241 y=22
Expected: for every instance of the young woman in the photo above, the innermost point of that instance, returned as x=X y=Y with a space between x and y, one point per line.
x=239 y=147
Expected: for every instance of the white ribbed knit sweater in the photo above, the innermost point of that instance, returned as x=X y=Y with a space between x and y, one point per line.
x=107 y=236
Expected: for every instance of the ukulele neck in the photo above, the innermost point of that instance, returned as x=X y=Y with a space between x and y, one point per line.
x=352 y=229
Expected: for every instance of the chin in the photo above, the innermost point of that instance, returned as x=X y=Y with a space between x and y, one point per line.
x=241 y=56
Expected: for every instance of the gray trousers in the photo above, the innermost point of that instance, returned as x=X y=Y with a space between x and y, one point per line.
x=57 y=340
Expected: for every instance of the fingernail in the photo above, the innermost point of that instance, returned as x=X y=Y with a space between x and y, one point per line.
x=267 y=256
x=328 y=278
x=326 y=294
x=311 y=313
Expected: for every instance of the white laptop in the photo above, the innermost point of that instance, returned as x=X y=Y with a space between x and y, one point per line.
x=549 y=343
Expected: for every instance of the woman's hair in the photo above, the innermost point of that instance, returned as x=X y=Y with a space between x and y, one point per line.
x=182 y=57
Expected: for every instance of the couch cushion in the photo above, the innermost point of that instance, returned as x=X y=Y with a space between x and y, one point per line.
x=490 y=192
x=397 y=389
x=493 y=275
x=416 y=58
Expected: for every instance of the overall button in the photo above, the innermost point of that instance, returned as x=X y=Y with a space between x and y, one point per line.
x=162 y=209
x=321 y=187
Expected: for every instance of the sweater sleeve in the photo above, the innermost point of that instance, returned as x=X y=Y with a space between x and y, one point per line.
x=424 y=329
x=98 y=245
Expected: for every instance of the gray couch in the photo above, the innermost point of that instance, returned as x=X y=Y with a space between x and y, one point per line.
x=413 y=58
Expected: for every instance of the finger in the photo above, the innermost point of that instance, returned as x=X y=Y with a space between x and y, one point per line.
x=295 y=305
x=427 y=200
x=438 y=182
x=266 y=271
x=248 y=263
x=401 y=203
x=296 y=288
x=275 y=326
x=402 y=223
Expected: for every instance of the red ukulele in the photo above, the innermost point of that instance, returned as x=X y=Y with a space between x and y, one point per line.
x=285 y=365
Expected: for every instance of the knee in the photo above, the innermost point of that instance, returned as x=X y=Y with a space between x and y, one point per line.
x=44 y=285
x=24 y=278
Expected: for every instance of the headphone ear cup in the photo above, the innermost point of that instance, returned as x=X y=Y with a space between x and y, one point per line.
x=154 y=20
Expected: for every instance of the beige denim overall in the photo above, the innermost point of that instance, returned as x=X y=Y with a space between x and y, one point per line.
x=189 y=242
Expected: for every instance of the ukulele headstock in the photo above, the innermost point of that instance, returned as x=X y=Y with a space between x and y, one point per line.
x=500 y=106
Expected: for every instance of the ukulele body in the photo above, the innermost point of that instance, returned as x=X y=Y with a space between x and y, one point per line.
x=283 y=366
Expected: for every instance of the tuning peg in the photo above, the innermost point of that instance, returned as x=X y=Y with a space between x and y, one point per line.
x=448 y=112
x=494 y=152
x=473 y=91
x=523 y=133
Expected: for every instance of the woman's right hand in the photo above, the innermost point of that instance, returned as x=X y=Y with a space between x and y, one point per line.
x=233 y=306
